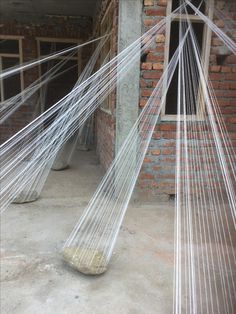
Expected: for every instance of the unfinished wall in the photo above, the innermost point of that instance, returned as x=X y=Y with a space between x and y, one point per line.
x=158 y=171
x=223 y=69
x=53 y=27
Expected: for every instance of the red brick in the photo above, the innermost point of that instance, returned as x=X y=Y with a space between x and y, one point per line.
x=155 y=12
x=220 y=23
x=230 y=77
x=223 y=103
x=169 y=144
x=158 y=66
x=168 y=135
x=149 y=22
x=230 y=94
x=166 y=176
x=215 y=68
x=225 y=69
x=231 y=127
x=215 y=85
x=231 y=59
x=146 y=66
x=153 y=58
x=155 y=82
x=232 y=136
x=228 y=111
x=146 y=92
x=224 y=85
x=232 y=85
x=168 y=151
x=162 y=3
x=219 y=93
x=143 y=83
x=215 y=76
x=168 y=127
x=156 y=136
x=147 y=160
x=147 y=176
x=151 y=75
x=231 y=120
x=156 y=152
x=142 y=103
x=216 y=42
x=169 y=160
x=148 y=2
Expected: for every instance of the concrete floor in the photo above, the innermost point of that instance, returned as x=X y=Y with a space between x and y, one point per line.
x=34 y=278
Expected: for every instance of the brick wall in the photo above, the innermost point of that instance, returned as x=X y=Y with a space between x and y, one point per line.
x=223 y=69
x=158 y=171
x=53 y=28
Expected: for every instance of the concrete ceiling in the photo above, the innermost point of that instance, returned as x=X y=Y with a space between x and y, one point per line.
x=27 y=9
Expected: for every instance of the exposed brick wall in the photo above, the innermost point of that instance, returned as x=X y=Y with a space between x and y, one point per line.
x=158 y=171
x=157 y=174
x=222 y=69
x=105 y=121
x=55 y=28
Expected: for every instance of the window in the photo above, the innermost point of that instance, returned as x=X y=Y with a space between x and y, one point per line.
x=10 y=56
x=68 y=68
x=106 y=52
x=203 y=36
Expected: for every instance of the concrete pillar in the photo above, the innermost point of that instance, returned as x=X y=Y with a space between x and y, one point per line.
x=127 y=106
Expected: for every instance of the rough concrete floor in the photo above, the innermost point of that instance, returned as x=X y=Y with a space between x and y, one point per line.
x=34 y=278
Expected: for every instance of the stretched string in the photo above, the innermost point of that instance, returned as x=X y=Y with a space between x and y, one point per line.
x=96 y=232
x=17 y=174
x=27 y=65
x=200 y=185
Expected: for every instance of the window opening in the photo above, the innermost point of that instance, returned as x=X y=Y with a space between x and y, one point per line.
x=203 y=37
x=10 y=56
x=67 y=74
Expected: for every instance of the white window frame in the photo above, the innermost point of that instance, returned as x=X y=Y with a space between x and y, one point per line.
x=207 y=34
x=58 y=40
x=12 y=55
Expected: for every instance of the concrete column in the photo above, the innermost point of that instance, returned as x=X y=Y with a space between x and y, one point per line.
x=127 y=106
